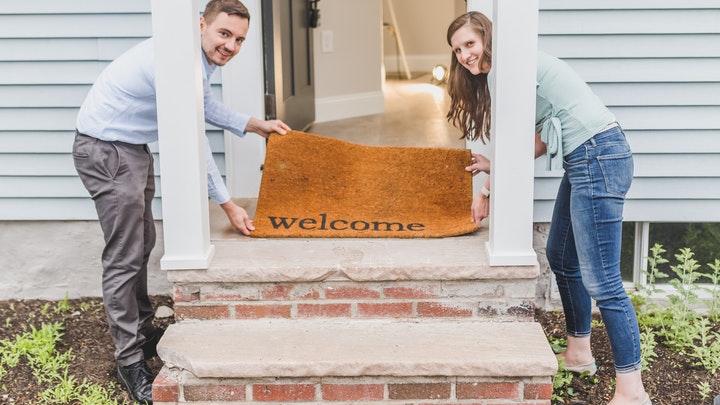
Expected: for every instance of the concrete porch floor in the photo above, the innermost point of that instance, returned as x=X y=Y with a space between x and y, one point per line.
x=357 y=259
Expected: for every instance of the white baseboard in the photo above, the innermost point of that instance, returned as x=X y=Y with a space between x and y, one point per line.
x=349 y=106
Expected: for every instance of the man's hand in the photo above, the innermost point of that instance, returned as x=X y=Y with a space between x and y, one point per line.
x=238 y=217
x=265 y=128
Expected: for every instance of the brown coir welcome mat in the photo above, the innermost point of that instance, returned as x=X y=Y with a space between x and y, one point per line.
x=319 y=187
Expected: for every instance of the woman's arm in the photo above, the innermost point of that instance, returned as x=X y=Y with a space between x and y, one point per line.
x=480 y=208
x=540 y=147
x=481 y=203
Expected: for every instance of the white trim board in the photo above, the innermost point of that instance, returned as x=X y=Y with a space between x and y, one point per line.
x=349 y=106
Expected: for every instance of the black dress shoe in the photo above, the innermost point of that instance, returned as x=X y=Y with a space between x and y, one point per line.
x=138 y=379
x=149 y=348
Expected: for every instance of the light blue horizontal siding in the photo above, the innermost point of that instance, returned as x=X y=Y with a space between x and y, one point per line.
x=39 y=96
x=656 y=65
x=656 y=94
x=654 y=210
x=632 y=46
x=56 y=72
x=629 y=5
x=50 y=54
x=679 y=141
x=43 y=26
x=646 y=70
x=75 y=7
x=65 y=49
x=671 y=165
x=668 y=117
x=628 y=21
x=45 y=96
x=80 y=7
x=648 y=188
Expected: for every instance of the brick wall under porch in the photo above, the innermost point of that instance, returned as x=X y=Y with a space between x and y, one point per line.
x=173 y=386
x=496 y=299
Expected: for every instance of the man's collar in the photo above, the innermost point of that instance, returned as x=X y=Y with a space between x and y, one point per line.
x=209 y=69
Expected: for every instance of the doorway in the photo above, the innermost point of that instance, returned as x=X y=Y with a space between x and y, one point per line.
x=288 y=50
x=414 y=107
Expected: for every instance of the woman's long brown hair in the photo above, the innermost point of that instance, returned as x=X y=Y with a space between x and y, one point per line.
x=469 y=94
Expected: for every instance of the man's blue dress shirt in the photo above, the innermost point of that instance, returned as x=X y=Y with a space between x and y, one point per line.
x=121 y=106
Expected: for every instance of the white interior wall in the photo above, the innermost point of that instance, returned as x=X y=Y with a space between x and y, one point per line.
x=348 y=74
x=422 y=25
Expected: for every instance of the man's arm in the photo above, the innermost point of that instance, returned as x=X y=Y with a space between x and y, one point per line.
x=238 y=217
x=221 y=116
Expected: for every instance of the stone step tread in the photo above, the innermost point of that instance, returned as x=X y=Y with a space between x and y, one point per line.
x=351 y=348
x=328 y=259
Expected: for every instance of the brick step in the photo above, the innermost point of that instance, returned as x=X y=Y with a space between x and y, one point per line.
x=370 y=361
x=354 y=278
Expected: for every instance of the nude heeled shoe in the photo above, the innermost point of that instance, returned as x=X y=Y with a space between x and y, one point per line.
x=647 y=400
x=590 y=368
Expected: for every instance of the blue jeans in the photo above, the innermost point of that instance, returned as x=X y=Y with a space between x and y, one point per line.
x=583 y=247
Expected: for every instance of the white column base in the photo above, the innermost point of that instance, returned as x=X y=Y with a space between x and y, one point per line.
x=178 y=262
x=511 y=258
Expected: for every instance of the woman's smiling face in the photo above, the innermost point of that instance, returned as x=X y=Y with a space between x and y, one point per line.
x=467 y=46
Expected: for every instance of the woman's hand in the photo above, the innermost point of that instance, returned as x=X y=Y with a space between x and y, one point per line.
x=479 y=164
x=480 y=208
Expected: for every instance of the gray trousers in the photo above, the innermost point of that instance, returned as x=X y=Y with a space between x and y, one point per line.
x=120 y=179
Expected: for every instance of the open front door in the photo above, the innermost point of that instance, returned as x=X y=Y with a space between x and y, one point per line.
x=288 y=50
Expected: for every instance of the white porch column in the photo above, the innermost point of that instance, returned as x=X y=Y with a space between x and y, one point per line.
x=515 y=28
x=243 y=83
x=181 y=121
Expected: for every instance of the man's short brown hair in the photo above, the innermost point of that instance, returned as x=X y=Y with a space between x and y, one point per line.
x=230 y=7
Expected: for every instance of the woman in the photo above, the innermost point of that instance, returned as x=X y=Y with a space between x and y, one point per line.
x=583 y=246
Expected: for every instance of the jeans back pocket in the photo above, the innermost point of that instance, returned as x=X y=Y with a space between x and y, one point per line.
x=617 y=170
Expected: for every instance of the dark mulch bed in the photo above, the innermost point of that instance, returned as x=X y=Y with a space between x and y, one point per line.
x=671 y=381
x=85 y=332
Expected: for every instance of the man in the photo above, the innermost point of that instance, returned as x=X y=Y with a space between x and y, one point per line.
x=115 y=123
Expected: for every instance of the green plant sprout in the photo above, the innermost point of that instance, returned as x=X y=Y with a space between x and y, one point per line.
x=38 y=348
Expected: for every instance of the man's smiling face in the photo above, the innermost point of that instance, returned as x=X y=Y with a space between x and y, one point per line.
x=222 y=37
